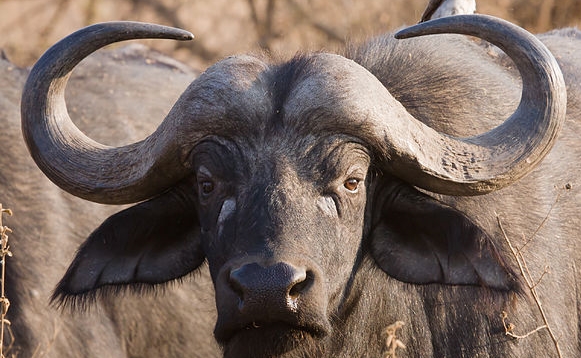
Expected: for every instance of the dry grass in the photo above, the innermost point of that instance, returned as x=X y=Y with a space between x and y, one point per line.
x=531 y=285
x=392 y=343
x=4 y=302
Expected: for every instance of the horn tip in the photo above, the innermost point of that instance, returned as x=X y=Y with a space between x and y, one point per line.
x=186 y=36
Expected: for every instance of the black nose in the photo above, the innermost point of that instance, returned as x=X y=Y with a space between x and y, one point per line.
x=277 y=286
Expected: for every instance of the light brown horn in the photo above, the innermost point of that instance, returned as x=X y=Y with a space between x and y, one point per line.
x=76 y=163
x=497 y=158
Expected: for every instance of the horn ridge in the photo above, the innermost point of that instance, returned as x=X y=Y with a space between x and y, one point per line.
x=497 y=158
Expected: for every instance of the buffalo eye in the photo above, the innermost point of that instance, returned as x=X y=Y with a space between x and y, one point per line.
x=351 y=184
x=206 y=187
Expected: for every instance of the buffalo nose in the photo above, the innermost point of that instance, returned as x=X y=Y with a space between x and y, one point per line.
x=279 y=285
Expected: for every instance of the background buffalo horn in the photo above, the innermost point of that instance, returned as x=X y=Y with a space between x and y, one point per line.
x=76 y=163
x=490 y=161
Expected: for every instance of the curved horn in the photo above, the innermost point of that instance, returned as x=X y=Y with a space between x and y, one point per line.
x=497 y=158
x=76 y=163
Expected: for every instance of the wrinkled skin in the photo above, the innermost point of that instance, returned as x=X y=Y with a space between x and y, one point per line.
x=49 y=224
x=343 y=249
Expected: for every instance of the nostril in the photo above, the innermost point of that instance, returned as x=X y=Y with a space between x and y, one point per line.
x=271 y=293
x=281 y=281
x=301 y=285
x=236 y=283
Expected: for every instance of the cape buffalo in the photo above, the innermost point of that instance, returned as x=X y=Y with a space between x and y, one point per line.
x=49 y=225
x=333 y=197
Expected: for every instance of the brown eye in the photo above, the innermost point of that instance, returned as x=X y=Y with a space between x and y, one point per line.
x=351 y=184
x=206 y=187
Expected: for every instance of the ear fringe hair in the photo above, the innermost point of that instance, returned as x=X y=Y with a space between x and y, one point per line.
x=85 y=301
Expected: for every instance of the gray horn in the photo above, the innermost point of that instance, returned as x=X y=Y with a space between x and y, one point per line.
x=497 y=158
x=76 y=163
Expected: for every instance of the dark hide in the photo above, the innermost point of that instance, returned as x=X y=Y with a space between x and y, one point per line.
x=418 y=239
x=164 y=249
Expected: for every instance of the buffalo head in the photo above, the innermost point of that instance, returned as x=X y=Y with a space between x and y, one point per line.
x=285 y=178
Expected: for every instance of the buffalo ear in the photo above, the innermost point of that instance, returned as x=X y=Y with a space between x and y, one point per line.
x=418 y=239
x=153 y=242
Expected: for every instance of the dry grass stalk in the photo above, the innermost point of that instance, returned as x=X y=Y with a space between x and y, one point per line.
x=391 y=342
x=4 y=252
x=531 y=284
x=43 y=350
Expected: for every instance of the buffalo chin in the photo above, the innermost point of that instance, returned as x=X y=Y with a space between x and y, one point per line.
x=270 y=340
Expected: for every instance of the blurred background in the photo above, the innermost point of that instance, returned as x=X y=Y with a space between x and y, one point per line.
x=225 y=27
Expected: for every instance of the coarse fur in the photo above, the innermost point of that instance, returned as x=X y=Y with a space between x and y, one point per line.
x=282 y=182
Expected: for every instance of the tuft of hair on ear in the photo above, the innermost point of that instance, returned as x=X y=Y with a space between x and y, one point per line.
x=85 y=301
